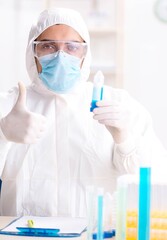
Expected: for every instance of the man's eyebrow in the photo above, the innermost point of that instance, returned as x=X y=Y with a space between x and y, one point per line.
x=45 y=40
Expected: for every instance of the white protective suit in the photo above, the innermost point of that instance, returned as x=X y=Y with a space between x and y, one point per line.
x=49 y=178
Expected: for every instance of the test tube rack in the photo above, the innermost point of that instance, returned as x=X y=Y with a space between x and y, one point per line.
x=127 y=209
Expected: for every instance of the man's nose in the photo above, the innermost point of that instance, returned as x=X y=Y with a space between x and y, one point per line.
x=61 y=47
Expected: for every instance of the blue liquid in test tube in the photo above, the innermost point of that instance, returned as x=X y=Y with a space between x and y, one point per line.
x=100 y=214
x=144 y=203
x=97 y=89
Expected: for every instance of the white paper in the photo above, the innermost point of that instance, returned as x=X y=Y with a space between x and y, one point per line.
x=65 y=224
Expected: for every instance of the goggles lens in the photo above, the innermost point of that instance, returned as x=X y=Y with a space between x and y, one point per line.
x=43 y=48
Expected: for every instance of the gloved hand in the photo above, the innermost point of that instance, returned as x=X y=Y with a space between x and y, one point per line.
x=115 y=114
x=21 y=125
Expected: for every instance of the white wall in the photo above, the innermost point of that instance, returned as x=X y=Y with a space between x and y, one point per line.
x=16 y=18
x=145 y=61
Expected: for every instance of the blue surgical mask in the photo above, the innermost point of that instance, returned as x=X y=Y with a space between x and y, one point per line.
x=60 y=71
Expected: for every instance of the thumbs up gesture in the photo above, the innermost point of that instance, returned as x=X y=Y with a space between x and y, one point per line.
x=21 y=125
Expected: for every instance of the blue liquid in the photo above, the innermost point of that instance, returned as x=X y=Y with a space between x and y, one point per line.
x=100 y=218
x=144 y=204
x=97 y=96
x=93 y=105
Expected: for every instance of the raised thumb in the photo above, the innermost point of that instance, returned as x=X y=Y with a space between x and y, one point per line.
x=21 y=100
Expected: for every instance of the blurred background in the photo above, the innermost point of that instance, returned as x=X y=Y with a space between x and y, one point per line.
x=128 y=41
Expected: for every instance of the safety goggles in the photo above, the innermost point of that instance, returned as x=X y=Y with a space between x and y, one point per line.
x=43 y=48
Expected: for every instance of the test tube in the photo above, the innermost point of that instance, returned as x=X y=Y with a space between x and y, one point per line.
x=90 y=191
x=122 y=187
x=97 y=89
x=100 y=214
x=144 y=203
x=144 y=213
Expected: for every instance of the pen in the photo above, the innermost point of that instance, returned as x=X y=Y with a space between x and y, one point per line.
x=38 y=231
x=43 y=232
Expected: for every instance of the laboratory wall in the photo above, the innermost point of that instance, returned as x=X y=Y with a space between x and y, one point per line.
x=144 y=50
x=145 y=60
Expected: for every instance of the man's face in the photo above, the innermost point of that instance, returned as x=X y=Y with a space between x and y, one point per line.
x=58 y=32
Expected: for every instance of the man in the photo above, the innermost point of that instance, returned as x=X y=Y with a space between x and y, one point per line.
x=52 y=147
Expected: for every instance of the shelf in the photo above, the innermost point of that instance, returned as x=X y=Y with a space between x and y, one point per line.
x=101 y=30
x=105 y=68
